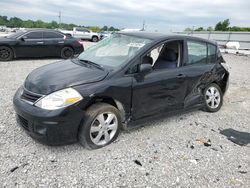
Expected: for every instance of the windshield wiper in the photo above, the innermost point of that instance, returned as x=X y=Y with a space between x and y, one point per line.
x=92 y=63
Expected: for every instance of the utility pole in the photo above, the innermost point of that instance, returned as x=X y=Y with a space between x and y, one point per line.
x=143 y=25
x=192 y=30
x=60 y=17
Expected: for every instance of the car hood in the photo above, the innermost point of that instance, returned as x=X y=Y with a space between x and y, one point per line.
x=60 y=75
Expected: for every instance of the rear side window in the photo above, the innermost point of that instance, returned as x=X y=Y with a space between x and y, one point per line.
x=200 y=52
x=50 y=35
x=197 y=52
x=82 y=30
x=33 y=35
x=211 y=53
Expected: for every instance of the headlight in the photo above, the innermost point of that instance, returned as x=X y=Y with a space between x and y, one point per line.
x=59 y=99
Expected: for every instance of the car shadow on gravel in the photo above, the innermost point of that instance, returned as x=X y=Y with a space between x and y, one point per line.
x=237 y=137
x=152 y=120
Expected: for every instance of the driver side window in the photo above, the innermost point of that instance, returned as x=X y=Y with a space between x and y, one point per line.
x=164 y=56
x=33 y=35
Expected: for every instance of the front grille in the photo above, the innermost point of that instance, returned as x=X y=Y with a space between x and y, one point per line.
x=29 y=96
x=24 y=122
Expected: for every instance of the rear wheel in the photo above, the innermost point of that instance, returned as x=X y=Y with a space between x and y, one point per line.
x=6 y=53
x=67 y=52
x=213 y=98
x=94 y=39
x=101 y=126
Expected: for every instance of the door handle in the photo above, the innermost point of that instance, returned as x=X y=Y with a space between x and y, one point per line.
x=181 y=76
x=39 y=42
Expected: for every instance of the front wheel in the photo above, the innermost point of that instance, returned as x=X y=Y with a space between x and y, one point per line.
x=6 y=53
x=101 y=126
x=213 y=98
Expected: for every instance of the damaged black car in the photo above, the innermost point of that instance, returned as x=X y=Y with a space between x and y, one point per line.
x=120 y=83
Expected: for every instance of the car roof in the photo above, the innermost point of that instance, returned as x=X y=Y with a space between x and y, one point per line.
x=155 y=36
x=41 y=29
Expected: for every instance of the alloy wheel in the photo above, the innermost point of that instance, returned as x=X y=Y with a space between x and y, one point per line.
x=213 y=97
x=103 y=128
x=68 y=53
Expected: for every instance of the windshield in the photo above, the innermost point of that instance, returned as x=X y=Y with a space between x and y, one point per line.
x=115 y=50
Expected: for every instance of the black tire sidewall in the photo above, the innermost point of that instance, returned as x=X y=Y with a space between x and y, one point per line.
x=94 y=39
x=207 y=107
x=11 y=53
x=64 y=49
x=88 y=118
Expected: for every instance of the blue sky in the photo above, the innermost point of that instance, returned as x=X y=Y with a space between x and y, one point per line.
x=161 y=15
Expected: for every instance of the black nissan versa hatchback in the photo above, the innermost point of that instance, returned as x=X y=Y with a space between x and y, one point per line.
x=120 y=82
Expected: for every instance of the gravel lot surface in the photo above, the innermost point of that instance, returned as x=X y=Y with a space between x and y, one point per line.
x=169 y=152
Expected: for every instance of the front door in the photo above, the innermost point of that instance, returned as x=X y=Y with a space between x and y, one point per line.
x=30 y=45
x=158 y=91
x=164 y=88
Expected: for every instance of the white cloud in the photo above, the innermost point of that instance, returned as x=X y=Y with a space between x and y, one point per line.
x=160 y=15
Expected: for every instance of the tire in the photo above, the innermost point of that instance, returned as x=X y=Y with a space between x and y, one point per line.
x=213 y=98
x=92 y=133
x=6 y=53
x=95 y=39
x=67 y=52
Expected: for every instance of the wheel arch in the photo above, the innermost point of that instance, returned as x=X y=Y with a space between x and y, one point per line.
x=222 y=83
x=68 y=45
x=109 y=100
x=95 y=36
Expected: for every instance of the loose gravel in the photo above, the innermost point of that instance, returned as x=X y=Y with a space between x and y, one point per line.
x=185 y=150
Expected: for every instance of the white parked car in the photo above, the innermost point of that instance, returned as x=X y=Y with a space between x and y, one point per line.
x=82 y=33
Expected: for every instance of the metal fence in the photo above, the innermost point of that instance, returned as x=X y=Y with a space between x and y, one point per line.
x=223 y=37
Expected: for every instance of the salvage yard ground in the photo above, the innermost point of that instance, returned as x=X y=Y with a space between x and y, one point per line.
x=186 y=150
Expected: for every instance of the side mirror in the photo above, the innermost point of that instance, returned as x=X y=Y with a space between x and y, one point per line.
x=145 y=68
x=22 y=39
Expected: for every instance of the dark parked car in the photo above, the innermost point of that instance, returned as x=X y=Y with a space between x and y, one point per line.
x=118 y=83
x=38 y=43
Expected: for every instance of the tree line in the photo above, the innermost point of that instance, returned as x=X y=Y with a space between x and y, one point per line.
x=220 y=26
x=15 y=22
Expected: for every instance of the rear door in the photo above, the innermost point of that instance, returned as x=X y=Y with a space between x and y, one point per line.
x=198 y=67
x=53 y=43
x=30 y=44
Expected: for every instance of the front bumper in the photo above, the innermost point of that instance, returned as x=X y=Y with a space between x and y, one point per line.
x=51 y=127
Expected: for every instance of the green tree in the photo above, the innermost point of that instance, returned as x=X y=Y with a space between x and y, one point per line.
x=28 y=24
x=222 y=26
x=15 y=22
x=200 y=29
x=94 y=28
x=111 y=28
x=105 y=28
x=3 y=20
x=54 y=25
